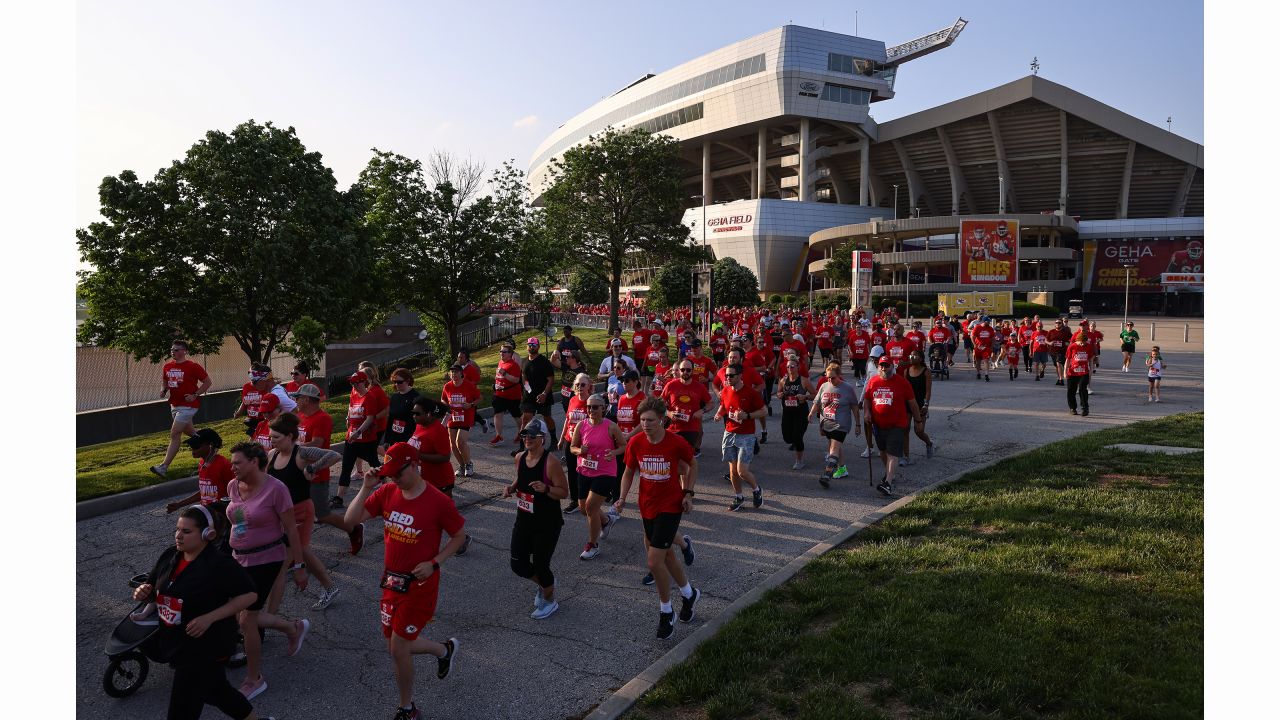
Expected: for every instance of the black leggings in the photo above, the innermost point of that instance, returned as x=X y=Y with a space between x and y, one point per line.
x=352 y=451
x=859 y=367
x=571 y=474
x=196 y=684
x=1078 y=384
x=794 y=423
x=532 y=548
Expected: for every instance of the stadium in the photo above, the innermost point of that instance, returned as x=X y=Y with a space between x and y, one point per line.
x=786 y=166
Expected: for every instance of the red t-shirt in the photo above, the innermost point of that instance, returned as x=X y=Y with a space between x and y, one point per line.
x=1078 y=357
x=684 y=400
x=983 y=337
x=628 y=418
x=750 y=378
x=250 y=397
x=660 y=378
x=1040 y=342
x=889 y=400
x=316 y=425
x=213 y=478
x=900 y=351
x=761 y=359
x=433 y=439
x=1025 y=332
x=860 y=345
x=878 y=337
x=719 y=344
x=940 y=335
x=183 y=378
x=576 y=413
x=917 y=338
x=262 y=435
x=368 y=405
x=471 y=373
x=746 y=399
x=1058 y=339
x=824 y=337
x=459 y=399
x=504 y=388
x=412 y=529
x=703 y=368
x=658 y=465
x=293 y=385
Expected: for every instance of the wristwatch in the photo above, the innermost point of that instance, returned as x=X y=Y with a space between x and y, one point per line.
x=298 y=566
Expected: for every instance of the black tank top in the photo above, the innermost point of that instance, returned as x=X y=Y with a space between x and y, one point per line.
x=291 y=475
x=917 y=384
x=546 y=509
x=795 y=388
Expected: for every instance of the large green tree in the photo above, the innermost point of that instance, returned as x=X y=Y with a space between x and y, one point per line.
x=242 y=237
x=671 y=287
x=441 y=247
x=587 y=288
x=734 y=284
x=617 y=193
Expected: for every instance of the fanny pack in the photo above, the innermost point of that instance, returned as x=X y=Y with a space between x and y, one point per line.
x=396 y=582
x=260 y=548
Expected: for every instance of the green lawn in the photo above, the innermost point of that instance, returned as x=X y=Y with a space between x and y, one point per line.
x=1066 y=583
x=123 y=464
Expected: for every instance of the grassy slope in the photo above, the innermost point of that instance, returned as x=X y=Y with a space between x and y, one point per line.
x=1066 y=582
x=122 y=464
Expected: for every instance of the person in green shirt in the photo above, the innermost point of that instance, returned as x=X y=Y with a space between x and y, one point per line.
x=1128 y=341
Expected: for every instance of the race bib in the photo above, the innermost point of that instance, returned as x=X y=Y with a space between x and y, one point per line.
x=586 y=463
x=457 y=417
x=565 y=391
x=170 y=610
x=397 y=426
x=173 y=383
x=524 y=502
x=528 y=388
x=791 y=402
x=829 y=412
x=682 y=416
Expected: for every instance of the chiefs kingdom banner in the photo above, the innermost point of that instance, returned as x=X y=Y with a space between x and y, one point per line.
x=989 y=253
x=1153 y=265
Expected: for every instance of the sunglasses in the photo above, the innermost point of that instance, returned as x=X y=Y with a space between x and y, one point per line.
x=399 y=382
x=527 y=437
x=294 y=372
x=731 y=375
x=595 y=407
x=686 y=372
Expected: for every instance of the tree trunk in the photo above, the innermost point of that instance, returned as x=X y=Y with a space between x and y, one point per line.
x=615 y=285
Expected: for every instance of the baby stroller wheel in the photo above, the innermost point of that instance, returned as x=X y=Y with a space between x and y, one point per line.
x=125 y=674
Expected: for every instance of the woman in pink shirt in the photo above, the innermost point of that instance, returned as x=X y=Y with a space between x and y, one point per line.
x=597 y=442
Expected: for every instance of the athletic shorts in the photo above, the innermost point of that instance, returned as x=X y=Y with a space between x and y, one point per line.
x=661 y=529
x=690 y=437
x=1127 y=347
x=968 y=343
x=506 y=405
x=320 y=499
x=1040 y=358
x=837 y=435
x=1153 y=380
x=826 y=354
x=737 y=447
x=530 y=404
x=182 y=414
x=603 y=485
x=982 y=353
x=263 y=577
x=1059 y=359
x=304 y=515
x=459 y=426
x=406 y=614
x=890 y=439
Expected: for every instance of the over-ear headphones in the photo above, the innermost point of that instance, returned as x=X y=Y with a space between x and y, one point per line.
x=209 y=532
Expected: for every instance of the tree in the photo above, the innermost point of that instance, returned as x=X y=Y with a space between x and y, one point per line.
x=671 y=286
x=618 y=192
x=587 y=288
x=306 y=342
x=734 y=284
x=839 y=269
x=440 y=249
x=242 y=237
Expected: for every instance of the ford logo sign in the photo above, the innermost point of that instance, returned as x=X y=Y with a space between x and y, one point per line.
x=809 y=86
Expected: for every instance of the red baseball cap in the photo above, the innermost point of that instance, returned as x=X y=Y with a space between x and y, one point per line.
x=397 y=457
x=358 y=376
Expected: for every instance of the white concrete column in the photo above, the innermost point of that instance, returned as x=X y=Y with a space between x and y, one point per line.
x=761 y=141
x=706 y=173
x=804 y=160
x=864 y=174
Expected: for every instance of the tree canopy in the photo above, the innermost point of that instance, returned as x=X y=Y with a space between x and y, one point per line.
x=671 y=286
x=242 y=237
x=588 y=288
x=734 y=284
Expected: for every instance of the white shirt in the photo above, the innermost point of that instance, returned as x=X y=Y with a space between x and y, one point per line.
x=287 y=404
x=606 y=365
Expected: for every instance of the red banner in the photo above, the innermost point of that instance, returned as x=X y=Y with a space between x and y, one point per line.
x=989 y=253
x=1149 y=262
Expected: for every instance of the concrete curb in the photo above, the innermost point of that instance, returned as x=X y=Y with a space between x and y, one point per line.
x=621 y=701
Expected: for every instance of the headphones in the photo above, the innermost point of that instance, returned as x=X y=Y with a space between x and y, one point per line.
x=209 y=532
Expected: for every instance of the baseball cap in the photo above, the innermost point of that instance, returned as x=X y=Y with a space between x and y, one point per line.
x=269 y=403
x=797 y=336
x=358 y=376
x=397 y=457
x=533 y=340
x=308 y=390
x=877 y=351
x=786 y=323
x=885 y=360
x=615 y=343
x=536 y=426
x=695 y=343
x=204 y=436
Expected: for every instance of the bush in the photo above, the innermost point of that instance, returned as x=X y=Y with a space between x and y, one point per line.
x=1027 y=309
x=775 y=299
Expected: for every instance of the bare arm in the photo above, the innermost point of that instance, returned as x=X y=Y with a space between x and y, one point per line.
x=356 y=511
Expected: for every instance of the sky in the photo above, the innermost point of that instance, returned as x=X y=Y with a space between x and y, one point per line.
x=492 y=79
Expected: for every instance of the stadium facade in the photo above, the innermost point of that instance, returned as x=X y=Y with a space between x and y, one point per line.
x=786 y=164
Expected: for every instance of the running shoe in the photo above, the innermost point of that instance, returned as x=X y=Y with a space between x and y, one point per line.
x=757 y=497
x=469 y=469
x=410 y=714
x=238 y=658
x=356 y=534
x=465 y=544
x=697 y=453
x=686 y=605
x=736 y=503
x=1085 y=412
x=764 y=438
x=665 y=625
x=538 y=600
x=988 y=378
x=253 y=690
x=458 y=471
x=929 y=450
x=841 y=472
x=906 y=460
x=546 y=611
x=866 y=453
x=571 y=508
x=797 y=465
x=885 y=488
x=592 y=550
x=687 y=551
x=303 y=627
x=445 y=664
x=647 y=579
x=1073 y=411
x=161 y=471
x=604 y=529
x=326 y=598
x=335 y=502
x=496 y=440
x=612 y=512
x=726 y=477
x=825 y=480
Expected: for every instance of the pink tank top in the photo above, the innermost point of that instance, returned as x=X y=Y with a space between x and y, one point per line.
x=598 y=459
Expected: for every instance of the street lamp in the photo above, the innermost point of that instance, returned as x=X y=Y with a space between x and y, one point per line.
x=895 y=201
x=908 y=293
x=1127 y=265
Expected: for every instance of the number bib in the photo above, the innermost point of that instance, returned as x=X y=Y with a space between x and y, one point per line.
x=170 y=610
x=457 y=417
x=397 y=426
x=682 y=416
x=791 y=402
x=587 y=463
x=524 y=502
x=829 y=412
x=566 y=391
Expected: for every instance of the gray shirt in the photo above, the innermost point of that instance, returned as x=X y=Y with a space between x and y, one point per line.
x=835 y=403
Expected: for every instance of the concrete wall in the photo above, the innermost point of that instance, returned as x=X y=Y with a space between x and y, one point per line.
x=99 y=426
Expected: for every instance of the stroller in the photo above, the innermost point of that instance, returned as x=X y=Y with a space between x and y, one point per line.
x=130 y=649
x=938 y=361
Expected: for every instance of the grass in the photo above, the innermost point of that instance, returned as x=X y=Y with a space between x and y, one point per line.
x=1066 y=582
x=122 y=465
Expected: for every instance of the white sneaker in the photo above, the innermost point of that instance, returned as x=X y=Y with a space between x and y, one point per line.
x=326 y=598
x=592 y=550
x=545 y=611
x=604 y=529
x=866 y=453
x=798 y=466
x=906 y=460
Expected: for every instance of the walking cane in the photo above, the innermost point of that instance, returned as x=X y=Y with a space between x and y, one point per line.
x=869 y=427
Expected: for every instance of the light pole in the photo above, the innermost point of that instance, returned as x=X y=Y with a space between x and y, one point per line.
x=1127 y=265
x=810 y=293
x=895 y=201
x=908 y=293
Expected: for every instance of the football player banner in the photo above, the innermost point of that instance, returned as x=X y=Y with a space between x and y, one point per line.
x=989 y=253
x=1146 y=266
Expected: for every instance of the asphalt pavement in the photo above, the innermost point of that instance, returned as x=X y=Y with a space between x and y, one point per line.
x=511 y=666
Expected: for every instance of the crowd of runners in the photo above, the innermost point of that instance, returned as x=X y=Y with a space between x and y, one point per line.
x=866 y=375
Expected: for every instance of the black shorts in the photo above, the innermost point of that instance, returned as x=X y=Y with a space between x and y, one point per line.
x=603 y=485
x=691 y=438
x=1127 y=347
x=1059 y=359
x=661 y=530
x=890 y=439
x=826 y=353
x=263 y=577
x=529 y=404
x=506 y=405
x=837 y=435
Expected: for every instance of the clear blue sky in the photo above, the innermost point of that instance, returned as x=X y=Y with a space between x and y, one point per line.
x=492 y=79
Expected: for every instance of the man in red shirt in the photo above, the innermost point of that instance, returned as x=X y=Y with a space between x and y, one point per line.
x=212 y=476
x=888 y=401
x=704 y=368
x=640 y=343
x=740 y=407
x=507 y=379
x=1041 y=349
x=1079 y=359
x=184 y=382
x=301 y=375
x=315 y=428
x=1059 y=338
x=917 y=336
x=941 y=335
x=859 y=351
x=899 y=350
x=686 y=402
x=414 y=515
x=762 y=359
x=1025 y=330
x=984 y=339
x=668 y=472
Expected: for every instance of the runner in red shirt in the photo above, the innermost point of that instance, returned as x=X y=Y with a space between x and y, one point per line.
x=704 y=368
x=640 y=341
x=184 y=382
x=662 y=372
x=1059 y=338
x=686 y=402
x=1011 y=350
x=268 y=410
x=507 y=378
x=212 y=476
x=899 y=350
x=1041 y=349
x=249 y=397
x=301 y=375
x=824 y=334
x=796 y=342
x=984 y=338
x=668 y=471
x=917 y=336
x=1079 y=363
x=942 y=335
x=719 y=345
x=315 y=428
x=462 y=396
x=859 y=351
x=367 y=406
x=740 y=407
x=415 y=515
x=889 y=401
x=1025 y=330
